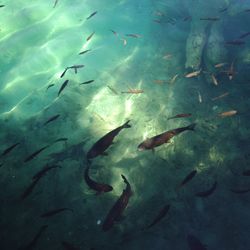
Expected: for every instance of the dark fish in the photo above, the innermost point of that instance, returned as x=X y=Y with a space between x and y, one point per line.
x=63 y=73
x=188 y=178
x=76 y=67
x=235 y=42
x=194 y=243
x=210 y=19
x=69 y=246
x=114 y=32
x=55 y=3
x=29 y=189
x=51 y=85
x=62 y=87
x=223 y=10
x=207 y=192
x=9 y=149
x=87 y=82
x=160 y=216
x=1 y=6
x=240 y=191
x=91 y=15
x=244 y=35
x=133 y=35
x=90 y=36
x=116 y=211
x=85 y=51
x=33 y=155
x=160 y=139
x=61 y=139
x=43 y=171
x=246 y=173
x=33 y=243
x=55 y=211
x=180 y=116
x=51 y=119
x=99 y=187
x=102 y=144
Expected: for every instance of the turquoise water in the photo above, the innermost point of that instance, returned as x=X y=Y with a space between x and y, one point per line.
x=169 y=41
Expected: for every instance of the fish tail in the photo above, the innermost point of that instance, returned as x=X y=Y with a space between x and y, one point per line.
x=126 y=124
x=191 y=126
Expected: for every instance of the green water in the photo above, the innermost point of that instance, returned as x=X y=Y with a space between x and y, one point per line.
x=37 y=43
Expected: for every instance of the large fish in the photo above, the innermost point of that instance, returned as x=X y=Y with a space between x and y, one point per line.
x=102 y=144
x=116 y=211
x=99 y=187
x=160 y=139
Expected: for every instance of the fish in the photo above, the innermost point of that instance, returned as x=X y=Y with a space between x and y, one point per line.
x=98 y=187
x=244 y=35
x=9 y=149
x=87 y=82
x=85 y=51
x=113 y=90
x=160 y=216
x=117 y=209
x=188 y=178
x=49 y=86
x=228 y=113
x=104 y=142
x=51 y=119
x=29 y=189
x=210 y=19
x=236 y=42
x=173 y=79
x=180 y=116
x=62 y=87
x=33 y=155
x=1 y=6
x=194 y=243
x=159 y=81
x=220 y=96
x=55 y=211
x=223 y=10
x=44 y=170
x=187 y=18
x=246 y=173
x=76 y=67
x=193 y=74
x=133 y=35
x=162 y=138
x=199 y=97
x=114 y=32
x=230 y=72
x=33 y=243
x=61 y=139
x=91 y=15
x=56 y=2
x=90 y=36
x=63 y=73
x=133 y=91
x=124 y=41
x=240 y=191
x=215 y=81
x=219 y=65
x=167 y=56
x=69 y=246
x=207 y=192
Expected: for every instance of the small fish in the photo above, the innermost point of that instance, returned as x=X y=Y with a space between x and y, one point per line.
x=69 y=246
x=180 y=116
x=43 y=171
x=220 y=96
x=61 y=139
x=87 y=82
x=90 y=36
x=246 y=173
x=236 y=42
x=51 y=119
x=193 y=74
x=160 y=216
x=33 y=155
x=91 y=15
x=228 y=113
x=194 y=243
x=158 y=140
x=210 y=19
x=207 y=192
x=98 y=187
x=124 y=41
x=244 y=35
x=173 y=79
x=133 y=35
x=113 y=90
x=240 y=191
x=188 y=178
x=1 y=6
x=133 y=91
x=106 y=141
x=215 y=81
x=55 y=211
x=51 y=85
x=199 y=97
x=9 y=149
x=223 y=10
x=62 y=87
x=117 y=209
x=219 y=65
x=63 y=73
x=167 y=56
x=114 y=32
x=158 y=81
x=230 y=72
x=33 y=243
x=85 y=51
x=29 y=189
